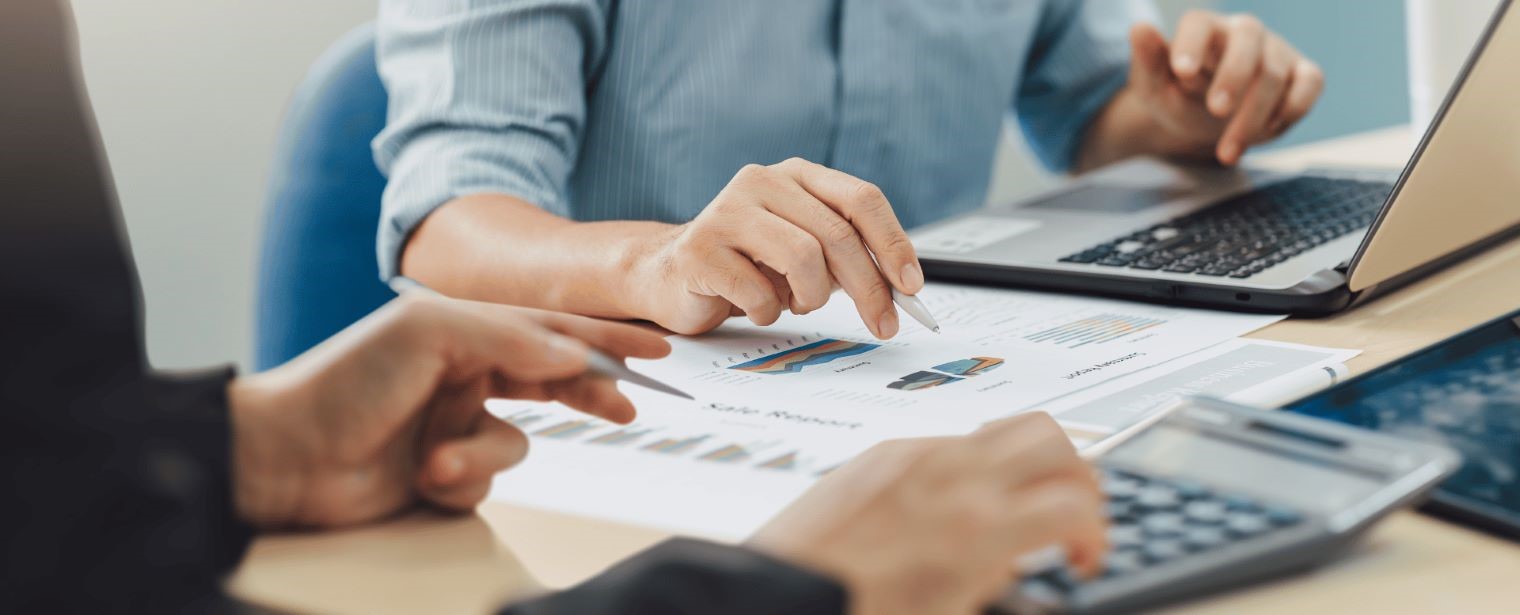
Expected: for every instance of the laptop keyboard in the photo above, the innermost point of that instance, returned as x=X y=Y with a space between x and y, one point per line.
x=1245 y=234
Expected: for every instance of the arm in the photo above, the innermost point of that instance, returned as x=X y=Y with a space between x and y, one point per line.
x=688 y=576
x=487 y=111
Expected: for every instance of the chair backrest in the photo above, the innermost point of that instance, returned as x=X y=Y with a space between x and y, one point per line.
x=317 y=271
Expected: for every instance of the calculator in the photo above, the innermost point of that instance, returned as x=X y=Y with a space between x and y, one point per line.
x=1217 y=494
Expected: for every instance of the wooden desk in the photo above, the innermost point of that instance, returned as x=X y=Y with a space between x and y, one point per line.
x=1410 y=564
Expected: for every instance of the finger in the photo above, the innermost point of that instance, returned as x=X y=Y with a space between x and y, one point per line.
x=618 y=339
x=783 y=290
x=1193 y=48
x=735 y=278
x=1149 y=67
x=1029 y=448
x=792 y=252
x=1249 y=125
x=1057 y=513
x=595 y=396
x=458 y=473
x=473 y=342
x=845 y=255
x=1238 y=66
x=1304 y=87
x=867 y=209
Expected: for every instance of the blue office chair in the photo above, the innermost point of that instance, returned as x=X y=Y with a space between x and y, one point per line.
x=317 y=271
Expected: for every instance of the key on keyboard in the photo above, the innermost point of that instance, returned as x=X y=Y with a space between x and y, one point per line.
x=1245 y=234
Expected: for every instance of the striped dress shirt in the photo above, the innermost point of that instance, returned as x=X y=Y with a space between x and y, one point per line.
x=644 y=109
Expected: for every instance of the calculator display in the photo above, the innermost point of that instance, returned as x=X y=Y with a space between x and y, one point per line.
x=1306 y=482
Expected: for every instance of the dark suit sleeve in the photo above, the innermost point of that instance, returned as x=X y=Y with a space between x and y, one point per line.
x=689 y=576
x=122 y=499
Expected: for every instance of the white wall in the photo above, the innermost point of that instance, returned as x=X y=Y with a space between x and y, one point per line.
x=189 y=94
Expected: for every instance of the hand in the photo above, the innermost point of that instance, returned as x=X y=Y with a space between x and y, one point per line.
x=778 y=238
x=934 y=525
x=1224 y=84
x=390 y=411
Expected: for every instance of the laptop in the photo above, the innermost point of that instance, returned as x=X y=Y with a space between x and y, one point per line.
x=1309 y=243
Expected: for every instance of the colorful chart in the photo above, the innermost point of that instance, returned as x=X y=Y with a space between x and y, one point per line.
x=970 y=367
x=524 y=418
x=619 y=437
x=918 y=381
x=674 y=446
x=565 y=430
x=794 y=360
x=728 y=454
x=1095 y=330
x=784 y=462
x=946 y=373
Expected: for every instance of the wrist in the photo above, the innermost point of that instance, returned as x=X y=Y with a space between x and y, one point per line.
x=639 y=270
x=268 y=461
x=1127 y=127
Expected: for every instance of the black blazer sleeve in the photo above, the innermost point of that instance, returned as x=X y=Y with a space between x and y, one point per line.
x=114 y=481
x=688 y=576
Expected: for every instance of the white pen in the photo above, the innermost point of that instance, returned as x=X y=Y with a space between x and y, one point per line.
x=596 y=362
x=916 y=309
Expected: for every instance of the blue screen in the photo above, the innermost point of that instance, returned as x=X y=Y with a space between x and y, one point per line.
x=1464 y=394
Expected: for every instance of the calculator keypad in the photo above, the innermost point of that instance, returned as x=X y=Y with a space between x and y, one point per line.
x=1154 y=521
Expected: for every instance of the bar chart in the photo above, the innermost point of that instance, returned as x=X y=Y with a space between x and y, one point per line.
x=1093 y=330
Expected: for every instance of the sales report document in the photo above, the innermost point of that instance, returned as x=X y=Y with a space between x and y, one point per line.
x=777 y=407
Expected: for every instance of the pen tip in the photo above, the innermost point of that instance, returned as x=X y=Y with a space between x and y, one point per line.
x=936 y=329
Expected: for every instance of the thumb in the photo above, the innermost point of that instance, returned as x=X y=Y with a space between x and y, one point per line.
x=457 y=474
x=1150 y=65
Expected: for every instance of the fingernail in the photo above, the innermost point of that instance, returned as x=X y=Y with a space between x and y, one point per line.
x=1220 y=102
x=561 y=349
x=449 y=470
x=913 y=278
x=1228 y=152
x=1184 y=64
x=886 y=327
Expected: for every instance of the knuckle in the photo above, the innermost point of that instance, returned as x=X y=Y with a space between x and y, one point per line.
x=1247 y=23
x=840 y=234
x=868 y=195
x=750 y=171
x=1197 y=15
x=795 y=162
x=1311 y=72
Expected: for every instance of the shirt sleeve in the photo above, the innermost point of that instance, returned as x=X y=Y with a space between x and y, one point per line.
x=1078 y=61
x=486 y=96
x=683 y=576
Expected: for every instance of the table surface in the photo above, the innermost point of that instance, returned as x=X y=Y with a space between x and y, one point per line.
x=1409 y=564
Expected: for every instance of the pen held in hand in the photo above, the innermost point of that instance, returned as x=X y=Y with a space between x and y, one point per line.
x=915 y=308
x=596 y=362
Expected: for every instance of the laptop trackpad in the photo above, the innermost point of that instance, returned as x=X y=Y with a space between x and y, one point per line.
x=1109 y=199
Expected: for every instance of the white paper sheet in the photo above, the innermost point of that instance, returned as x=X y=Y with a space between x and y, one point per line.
x=1000 y=352
x=1254 y=372
x=778 y=406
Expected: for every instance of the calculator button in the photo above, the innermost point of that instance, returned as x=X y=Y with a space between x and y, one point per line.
x=1157 y=551
x=1282 y=517
x=1201 y=538
x=1205 y=511
x=1190 y=490
x=1239 y=502
x=1163 y=524
x=1120 y=488
x=1041 y=591
x=1121 y=511
x=1158 y=497
x=1121 y=562
x=1246 y=525
x=1126 y=535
